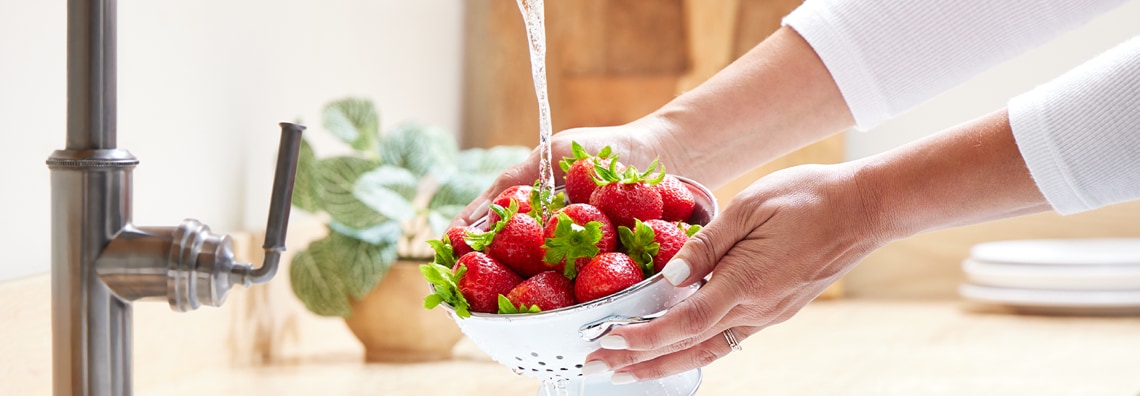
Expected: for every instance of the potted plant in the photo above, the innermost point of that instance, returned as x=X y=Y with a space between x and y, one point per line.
x=381 y=202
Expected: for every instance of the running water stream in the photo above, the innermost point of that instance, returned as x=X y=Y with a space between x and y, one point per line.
x=533 y=15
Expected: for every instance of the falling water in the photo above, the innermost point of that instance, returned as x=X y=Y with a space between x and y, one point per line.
x=557 y=387
x=533 y=15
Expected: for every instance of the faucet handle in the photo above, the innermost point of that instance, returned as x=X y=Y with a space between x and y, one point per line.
x=280 y=203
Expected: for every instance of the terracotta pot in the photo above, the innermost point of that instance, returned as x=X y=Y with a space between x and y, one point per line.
x=393 y=325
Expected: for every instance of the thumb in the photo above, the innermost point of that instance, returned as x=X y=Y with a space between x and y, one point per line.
x=703 y=251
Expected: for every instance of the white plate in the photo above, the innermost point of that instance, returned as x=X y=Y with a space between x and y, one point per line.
x=1060 y=251
x=1051 y=298
x=1053 y=276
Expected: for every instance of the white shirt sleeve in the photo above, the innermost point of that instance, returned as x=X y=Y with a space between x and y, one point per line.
x=1080 y=133
x=887 y=56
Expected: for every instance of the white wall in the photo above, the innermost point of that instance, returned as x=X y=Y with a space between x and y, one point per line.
x=202 y=85
x=991 y=90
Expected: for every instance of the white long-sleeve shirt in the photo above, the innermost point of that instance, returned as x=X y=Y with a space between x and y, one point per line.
x=1079 y=134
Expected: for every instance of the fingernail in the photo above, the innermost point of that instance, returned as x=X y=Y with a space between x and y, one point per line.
x=595 y=367
x=480 y=211
x=614 y=342
x=676 y=271
x=623 y=378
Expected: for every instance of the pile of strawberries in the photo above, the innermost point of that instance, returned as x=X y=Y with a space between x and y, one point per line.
x=611 y=228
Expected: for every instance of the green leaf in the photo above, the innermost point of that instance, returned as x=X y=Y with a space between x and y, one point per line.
x=460 y=189
x=440 y=218
x=336 y=177
x=419 y=149
x=355 y=121
x=480 y=241
x=640 y=244
x=571 y=242
x=444 y=252
x=387 y=190
x=361 y=264
x=492 y=161
x=306 y=195
x=386 y=233
x=538 y=196
x=689 y=229
x=445 y=283
x=319 y=284
x=507 y=307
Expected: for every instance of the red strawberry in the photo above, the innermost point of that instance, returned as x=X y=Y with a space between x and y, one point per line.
x=677 y=201
x=578 y=232
x=516 y=241
x=580 y=172
x=653 y=243
x=474 y=284
x=547 y=291
x=606 y=274
x=519 y=193
x=456 y=237
x=628 y=196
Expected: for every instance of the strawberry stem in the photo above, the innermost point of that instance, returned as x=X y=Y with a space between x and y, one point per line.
x=640 y=244
x=571 y=242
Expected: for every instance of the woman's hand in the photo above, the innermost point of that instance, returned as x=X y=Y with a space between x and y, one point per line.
x=779 y=244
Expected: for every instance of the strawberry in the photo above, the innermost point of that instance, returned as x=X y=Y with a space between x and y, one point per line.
x=515 y=240
x=653 y=243
x=456 y=237
x=546 y=292
x=577 y=233
x=677 y=201
x=518 y=193
x=580 y=171
x=629 y=195
x=606 y=274
x=474 y=284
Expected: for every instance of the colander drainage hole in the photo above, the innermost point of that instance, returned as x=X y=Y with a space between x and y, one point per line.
x=559 y=357
x=518 y=358
x=535 y=354
x=541 y=363
x=578 y=366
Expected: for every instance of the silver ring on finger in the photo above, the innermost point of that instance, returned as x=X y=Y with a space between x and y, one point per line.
x=732 y=342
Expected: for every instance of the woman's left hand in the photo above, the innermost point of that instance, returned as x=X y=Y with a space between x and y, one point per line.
x=780 y=243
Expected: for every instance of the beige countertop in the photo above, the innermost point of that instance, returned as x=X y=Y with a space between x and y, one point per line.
x=840 y=347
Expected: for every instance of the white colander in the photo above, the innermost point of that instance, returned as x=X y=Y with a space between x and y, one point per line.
x=552 y=346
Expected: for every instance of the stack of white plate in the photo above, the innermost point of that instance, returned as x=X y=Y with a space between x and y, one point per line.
x=1063 y=275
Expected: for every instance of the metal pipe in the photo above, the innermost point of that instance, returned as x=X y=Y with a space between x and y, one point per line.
x=282 y=199
x=101 y=262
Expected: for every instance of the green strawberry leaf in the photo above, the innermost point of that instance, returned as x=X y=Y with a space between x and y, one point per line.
x=571 y=242
x=444 y=252
x=480 y=241
x=506 y=307
x=446 y=286
x=689 y=229
x=538 y=196
x=640 y=244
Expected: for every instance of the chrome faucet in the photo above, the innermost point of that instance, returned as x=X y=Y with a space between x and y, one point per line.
x=101 y=261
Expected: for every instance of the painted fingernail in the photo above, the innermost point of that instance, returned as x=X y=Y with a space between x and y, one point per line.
x=623 y=378
x=676 y=271
x=595 y=367
x=480 y=211
x=614 y=342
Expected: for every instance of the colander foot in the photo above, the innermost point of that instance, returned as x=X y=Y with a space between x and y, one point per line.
x=684 y=384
